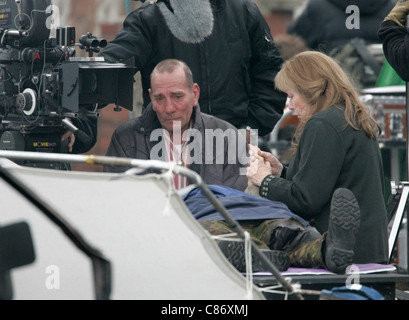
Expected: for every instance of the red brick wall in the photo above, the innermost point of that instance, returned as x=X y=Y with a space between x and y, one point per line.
x=83 y=19
x=278 y=22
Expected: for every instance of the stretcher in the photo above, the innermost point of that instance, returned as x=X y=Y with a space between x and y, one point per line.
x=91 y=235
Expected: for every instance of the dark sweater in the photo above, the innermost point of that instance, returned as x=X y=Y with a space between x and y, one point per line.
x=395 y=41
x=331 y=155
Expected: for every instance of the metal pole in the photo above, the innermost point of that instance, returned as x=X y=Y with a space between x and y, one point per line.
x=407 y=157
x=407 y=129
x=407 y=115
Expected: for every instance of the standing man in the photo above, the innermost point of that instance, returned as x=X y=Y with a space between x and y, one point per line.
x=172 y=128
x=325 y=32
x=227 y=45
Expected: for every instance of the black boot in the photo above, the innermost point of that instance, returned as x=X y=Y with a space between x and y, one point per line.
x=343 y=227
x=235 y=253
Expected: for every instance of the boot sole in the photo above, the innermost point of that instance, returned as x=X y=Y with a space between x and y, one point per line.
x=235 y=253
x=343 y=227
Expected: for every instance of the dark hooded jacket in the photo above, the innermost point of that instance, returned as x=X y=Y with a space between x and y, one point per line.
x=323 y=27
x=235 y=66
x=395 y=41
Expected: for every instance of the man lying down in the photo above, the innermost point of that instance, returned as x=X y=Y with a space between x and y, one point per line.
x=285 y=238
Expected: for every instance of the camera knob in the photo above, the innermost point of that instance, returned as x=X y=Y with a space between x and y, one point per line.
x=27 y=101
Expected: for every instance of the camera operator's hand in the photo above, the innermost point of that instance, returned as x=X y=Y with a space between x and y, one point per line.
x=70 y=136
x=399 y=13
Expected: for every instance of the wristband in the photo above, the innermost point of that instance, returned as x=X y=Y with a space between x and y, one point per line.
x=264 y=185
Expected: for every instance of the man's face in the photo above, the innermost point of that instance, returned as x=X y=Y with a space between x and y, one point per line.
x=172 y=99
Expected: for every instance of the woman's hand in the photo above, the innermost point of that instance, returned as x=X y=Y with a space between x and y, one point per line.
x=257 y=168
x=275 y=164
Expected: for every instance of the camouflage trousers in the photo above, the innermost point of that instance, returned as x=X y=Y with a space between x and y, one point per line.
x=304 y=244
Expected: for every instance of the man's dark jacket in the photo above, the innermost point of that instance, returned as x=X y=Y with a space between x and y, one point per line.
x=141 y=138
x=235 y=66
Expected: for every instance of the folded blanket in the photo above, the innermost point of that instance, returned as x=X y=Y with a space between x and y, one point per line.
x=240 y=205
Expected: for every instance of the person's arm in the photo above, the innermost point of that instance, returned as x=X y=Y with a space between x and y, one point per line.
x=131 y=41
x=321 y=157
x=395 y=41
x=84 y=137
x=266 y=103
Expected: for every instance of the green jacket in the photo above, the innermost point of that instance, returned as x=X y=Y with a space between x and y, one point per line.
x=331 y=154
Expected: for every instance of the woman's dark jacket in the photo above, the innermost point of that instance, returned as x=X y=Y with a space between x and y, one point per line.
x=330 y=155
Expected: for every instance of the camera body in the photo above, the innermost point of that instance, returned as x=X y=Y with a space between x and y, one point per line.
x=42 y=82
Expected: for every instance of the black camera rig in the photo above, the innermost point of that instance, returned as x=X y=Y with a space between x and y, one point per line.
x=42 y=82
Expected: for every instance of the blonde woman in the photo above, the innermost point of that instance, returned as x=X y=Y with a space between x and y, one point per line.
x=336 y=160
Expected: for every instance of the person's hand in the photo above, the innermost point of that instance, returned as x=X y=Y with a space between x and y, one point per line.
x=275 y=164
x=71 y=138
x=257 y=168
x=399 y=13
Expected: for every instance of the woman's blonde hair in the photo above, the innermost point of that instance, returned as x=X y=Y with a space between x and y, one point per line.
x=322 y=83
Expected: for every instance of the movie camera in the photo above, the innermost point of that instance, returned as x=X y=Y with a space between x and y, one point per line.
x=42 y=82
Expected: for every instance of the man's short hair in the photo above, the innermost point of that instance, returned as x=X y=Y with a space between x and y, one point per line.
x=169 y=65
